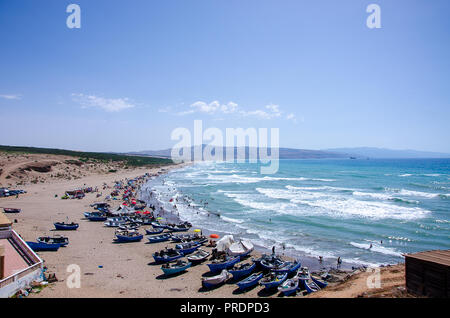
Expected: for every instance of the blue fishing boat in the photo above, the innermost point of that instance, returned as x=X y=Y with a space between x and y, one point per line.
x=11 y=210
x=250 y=281
x=157 y=225
x=187 y=248
x=173 y=268
x=305 y=277
x=159 y=238
x=167 y=255
x=126 y=237
x=319 y=282
x=228 y=262
x=177 y=228
x=273 y=280
x=61 y=240
x=270 y=262
x=289 y=286
x=38 y=246
x=288 y=267
x=154 y=231
x=95 y=216
x=61 y=226
x=239 y=271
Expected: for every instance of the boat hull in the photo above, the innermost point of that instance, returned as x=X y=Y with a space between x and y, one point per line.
x=66 y=227
x=41 y=247
x=274 y=283
x=237 y=274
x=127 y=239
x=172 y=271
x=215 y=267
x=249 y=281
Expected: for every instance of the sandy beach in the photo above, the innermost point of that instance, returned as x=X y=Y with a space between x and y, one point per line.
x=126 y=270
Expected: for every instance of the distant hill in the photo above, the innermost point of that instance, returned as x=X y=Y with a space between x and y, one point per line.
x=371 y=152
x=101 y=156
x=284 y=153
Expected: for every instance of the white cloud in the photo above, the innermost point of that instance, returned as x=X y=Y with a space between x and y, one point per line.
x=11 y=96
x=107 y=104
x=216 y=108
x=210 y=108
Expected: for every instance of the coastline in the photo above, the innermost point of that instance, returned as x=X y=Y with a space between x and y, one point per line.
x=108 y=269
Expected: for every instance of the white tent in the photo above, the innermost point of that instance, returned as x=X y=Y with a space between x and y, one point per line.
x=224 y=243
x=243 y=247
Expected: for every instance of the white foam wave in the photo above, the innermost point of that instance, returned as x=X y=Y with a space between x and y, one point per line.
x=351 y=207
x=377 y=249
x=231 y=220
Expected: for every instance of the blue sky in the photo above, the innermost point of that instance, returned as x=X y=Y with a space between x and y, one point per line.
x=136 y=70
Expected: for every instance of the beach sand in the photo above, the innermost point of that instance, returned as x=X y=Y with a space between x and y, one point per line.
x=116 y=270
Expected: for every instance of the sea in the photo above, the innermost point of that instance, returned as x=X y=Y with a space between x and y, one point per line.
x=368 y=212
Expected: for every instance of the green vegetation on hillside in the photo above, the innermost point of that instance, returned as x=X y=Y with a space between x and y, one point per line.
x=135 y=161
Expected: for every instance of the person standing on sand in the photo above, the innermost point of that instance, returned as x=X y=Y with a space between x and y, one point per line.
x=339 y=261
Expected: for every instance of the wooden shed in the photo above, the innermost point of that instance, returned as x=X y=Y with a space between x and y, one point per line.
x=428 y=273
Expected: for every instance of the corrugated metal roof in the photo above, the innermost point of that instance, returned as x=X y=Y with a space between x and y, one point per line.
x=438 y=256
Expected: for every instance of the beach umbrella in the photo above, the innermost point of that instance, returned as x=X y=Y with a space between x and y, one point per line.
x=160 y=218
x=214 y=236
x=147 y=212
x=197 y=230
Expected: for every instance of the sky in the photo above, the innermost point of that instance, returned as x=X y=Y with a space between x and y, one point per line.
x=136 y=70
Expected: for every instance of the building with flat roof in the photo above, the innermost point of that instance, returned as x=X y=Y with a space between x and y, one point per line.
x=428 y=273
x=19 y=265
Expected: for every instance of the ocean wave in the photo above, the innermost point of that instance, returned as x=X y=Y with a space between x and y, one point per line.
x=377 y=248
x=289 y=195
x=235 y=178
x=227 y=219
x=371 y=209
x=383 y=196
x=417 y=193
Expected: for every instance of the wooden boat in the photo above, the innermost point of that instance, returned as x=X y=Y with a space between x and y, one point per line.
x=156 y=225
x=210 y=282
x=187 y=248
x=319 y=282
x=66 y=226
x=38 y=246
x=250 y=281
x=177 y=267
x=228 y=262
x=61 y=240
x=273 y=280
x=305 y=278
x=159 y=238
x=239 y=271
x=272 y=263
x=166 y=255
x=128 y=226
x=289 y=286
x=11 y=210
x=110 y=223
x=177 y=228
x=128 y=236
x=154 y=231
x=199 y=256
x=96 y=216
x=185 y=237
x=288 y=267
